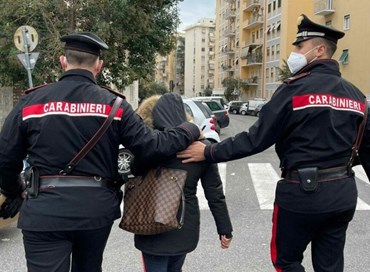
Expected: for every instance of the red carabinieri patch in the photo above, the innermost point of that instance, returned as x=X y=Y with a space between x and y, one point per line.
x=70 y=109
x=327 y=100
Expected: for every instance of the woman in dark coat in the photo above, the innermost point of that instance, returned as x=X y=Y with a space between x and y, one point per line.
x=166 y=252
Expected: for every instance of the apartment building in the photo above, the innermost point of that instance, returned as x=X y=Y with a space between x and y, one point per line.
x=252 y=39
x=170 y=68
x=199 y=57
x=351 y=17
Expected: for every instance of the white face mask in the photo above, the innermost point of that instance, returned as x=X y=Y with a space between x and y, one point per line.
x=297 y=61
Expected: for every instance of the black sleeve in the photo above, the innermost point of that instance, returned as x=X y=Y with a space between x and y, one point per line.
x=12 y=151
x=156 y=145
x=260 y=136
x=213 y=191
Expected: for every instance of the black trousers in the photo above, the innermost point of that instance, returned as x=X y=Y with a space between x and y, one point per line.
x=153 y=263
x=292 y=232
x=52 y=251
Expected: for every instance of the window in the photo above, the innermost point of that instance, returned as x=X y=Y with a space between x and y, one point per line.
x=279 y=3
x=328 y=23
x=269 y=8
x=346 y=22
x=274 y=5
x=277 y=50
x=268 y=29
x=277 y=26
x=344 y=57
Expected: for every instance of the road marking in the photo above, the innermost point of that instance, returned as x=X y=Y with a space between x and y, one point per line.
x=203 y=203
x=264 y=179
x=360 y=173
x=361 y=205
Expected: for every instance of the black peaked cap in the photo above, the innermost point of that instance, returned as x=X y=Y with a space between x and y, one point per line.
x=85 y=42
x=308 y=30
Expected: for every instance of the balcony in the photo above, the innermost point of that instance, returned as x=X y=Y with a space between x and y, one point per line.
x=251 y=49
x=323 y=7
x=250 y=5
x=252 y=60
x=253 y=22
x=229 y=51
x=229 y=32
x=230 y=14
x=227 y=68
x=252 y=81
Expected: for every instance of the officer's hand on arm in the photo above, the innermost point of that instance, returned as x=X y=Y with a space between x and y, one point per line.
x=225 y=242
x=193 y=153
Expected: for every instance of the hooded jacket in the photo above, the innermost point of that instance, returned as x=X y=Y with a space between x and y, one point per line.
x=163 y=113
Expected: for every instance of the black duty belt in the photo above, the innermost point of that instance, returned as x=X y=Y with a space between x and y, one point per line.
x=50 y=182
x=323 y=175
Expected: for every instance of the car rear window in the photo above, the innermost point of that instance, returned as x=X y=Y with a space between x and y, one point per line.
x=206 y=111
x=214 y=106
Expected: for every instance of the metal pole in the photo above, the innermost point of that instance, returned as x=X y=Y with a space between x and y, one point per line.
x=27 y=56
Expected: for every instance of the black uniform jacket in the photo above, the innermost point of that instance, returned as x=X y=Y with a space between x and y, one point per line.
x=186 y=239
x=312 y=119
x=51 y=124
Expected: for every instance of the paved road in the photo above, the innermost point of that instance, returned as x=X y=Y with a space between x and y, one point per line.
x=249 y=184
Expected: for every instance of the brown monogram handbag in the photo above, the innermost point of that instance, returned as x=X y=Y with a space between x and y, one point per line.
x=152 y=202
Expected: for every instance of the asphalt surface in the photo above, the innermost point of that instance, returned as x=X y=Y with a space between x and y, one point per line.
x=250 y=249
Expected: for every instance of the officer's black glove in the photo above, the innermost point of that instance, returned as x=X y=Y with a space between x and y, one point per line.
x=11 y=205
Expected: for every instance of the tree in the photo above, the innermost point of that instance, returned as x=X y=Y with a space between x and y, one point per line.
x=232 y=87
x=134 y=31
x=284 y=71
x=148 y=89
x=207 y=91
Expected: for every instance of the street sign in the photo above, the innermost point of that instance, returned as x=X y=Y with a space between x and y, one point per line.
x=32 y=57
x=26 y=38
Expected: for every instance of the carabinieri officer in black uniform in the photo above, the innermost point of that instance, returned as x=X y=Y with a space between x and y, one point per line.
x=313 y=119
x=73 y=212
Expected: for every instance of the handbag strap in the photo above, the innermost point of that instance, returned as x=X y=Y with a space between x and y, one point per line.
x=182 y=215
x=359 y=135
x=92 y=142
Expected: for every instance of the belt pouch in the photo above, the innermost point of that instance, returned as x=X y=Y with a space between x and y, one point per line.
x=32 y=179
x=309 y=178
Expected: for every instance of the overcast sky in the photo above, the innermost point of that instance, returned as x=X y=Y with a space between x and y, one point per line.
x=193 y=10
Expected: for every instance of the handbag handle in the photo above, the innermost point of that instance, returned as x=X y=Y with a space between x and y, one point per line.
x=182 y=216
x=92 y=142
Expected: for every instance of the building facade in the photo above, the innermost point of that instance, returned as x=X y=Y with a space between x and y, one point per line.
x=170 y=68
x=351 y=17
x=199 y=57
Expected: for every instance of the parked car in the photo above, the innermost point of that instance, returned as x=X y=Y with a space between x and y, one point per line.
x=258 y=109
x=124 y=159
x=234 y=106
x=218 y=110
x=217 y=98
x=203 y=117
x=250 y=107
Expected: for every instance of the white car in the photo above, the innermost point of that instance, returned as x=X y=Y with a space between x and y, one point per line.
x=201 y=115
x=204 y=118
